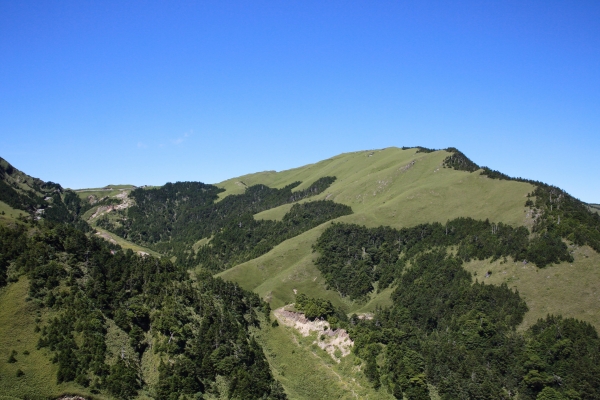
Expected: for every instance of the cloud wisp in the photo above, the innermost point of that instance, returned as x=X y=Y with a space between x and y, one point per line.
x=182 y=139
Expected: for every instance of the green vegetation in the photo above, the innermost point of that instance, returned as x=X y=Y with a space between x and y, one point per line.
x=18 y=321
x=199 y=328
x=401 y=234
x=172 y=218
x=568 y=289
x=314 y=308
x=125 y=244
x=460 y=337
x=307 y=372
x=557 y=213
x=39 y=199
x=246 y=238
x=353 y=258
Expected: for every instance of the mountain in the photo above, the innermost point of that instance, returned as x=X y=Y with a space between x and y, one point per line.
x=21 y=194
x=80 y=315
x=389 y=273
x=404 y=188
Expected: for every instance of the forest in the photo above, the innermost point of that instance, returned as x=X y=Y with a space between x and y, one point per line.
x=199 y=326
x=460 y=337
x=445 y=331
x=170 y=219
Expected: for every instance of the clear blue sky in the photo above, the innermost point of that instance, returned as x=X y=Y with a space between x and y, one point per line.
x=98 y=92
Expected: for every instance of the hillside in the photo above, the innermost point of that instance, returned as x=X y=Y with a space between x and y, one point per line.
x=394 y=273
x=31 y=198
x=406 y=188
x=391 y=187
x=396 y=188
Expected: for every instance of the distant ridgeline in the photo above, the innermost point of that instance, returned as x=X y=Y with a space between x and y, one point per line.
x=40 y=199
x=461 y=337
x=197 y=330
x=170 y=219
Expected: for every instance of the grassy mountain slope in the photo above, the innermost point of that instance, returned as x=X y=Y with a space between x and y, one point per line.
x=393 y=187
x=8 y=213
x=17 y=322
x=569 y=289
x=385 y=187
x=308 y=372
x=404 y=188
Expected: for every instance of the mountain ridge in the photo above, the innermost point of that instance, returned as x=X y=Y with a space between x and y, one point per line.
x=407 y=217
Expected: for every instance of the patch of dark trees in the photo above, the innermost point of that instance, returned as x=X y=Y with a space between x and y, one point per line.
x=245 y=238
x=352 y=258
x=460 y=337
x=170 y=219
x=199 y=327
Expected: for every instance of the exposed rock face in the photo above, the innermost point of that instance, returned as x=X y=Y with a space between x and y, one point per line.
x=327 y=339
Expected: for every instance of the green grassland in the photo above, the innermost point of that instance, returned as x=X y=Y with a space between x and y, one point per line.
x=394 y=187
x=124 y=243
x=570 y=289
x=9 y=214
x=17 y=324
x=387 y=188
x=308 y=372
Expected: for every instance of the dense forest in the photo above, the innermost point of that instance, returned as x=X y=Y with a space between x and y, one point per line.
x=444 y=330
x=246 y=238
x=199 y=327
x=353 y=258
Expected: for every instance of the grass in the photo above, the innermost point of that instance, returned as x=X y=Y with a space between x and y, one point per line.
x=17 y=324
x=10 y=214
x=394 y=187
x=569 y=289
x=308 y=372
x=386 y=187
x=125 y=243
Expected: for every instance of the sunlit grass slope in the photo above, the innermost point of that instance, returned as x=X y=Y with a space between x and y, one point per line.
x=17 y=324
x=126 y=244
x=569 y=289
x=394 y=187
x=9 y=214
x=308 y=372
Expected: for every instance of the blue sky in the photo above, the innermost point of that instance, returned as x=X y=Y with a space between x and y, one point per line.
x=98 y=92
